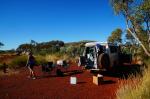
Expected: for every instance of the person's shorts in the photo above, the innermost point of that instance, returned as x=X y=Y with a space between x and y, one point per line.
x=31 y=66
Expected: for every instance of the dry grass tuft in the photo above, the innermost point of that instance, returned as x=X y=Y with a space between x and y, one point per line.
x=135 y=87
x=55 y=57
x=9 y=72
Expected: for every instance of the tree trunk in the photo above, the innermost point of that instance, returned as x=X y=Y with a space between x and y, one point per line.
x=148 y=32
x=144 y=48
x=134 y=34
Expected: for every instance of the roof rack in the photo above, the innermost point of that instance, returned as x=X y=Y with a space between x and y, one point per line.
x=90 y=44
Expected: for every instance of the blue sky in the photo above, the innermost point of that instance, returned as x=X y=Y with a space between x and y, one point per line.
x=46 y=20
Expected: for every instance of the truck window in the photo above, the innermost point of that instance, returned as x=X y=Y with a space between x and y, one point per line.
x=89 y=50
x=113 y=49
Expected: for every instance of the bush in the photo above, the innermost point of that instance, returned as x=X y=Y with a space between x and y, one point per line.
x=55 y=57
x=18 y=61
x=136 y=89
x=40 y=59
x=58 y=56
x=42 y=52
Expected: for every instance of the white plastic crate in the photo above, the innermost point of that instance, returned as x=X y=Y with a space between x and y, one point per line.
x=73 y=80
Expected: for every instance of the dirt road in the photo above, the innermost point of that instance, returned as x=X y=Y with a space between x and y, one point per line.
x=49 y=86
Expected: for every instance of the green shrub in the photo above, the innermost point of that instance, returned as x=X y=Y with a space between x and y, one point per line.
x=42 y=52
x=40 y=59
x=59 y=56
x=21 y=61
x=17 y=62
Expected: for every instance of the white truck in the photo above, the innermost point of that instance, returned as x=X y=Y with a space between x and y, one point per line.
x=101 y=55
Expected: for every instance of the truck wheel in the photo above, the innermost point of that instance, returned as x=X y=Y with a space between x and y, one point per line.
x=103 y=61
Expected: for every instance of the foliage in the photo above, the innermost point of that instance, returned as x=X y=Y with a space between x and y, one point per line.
x=40 y=60
x=115 y=36
x=53 y=47
x=55 y=57
x=47 y=51
x=136 y=87
x=19 y=61
x=130 y=39
x=42 y=52
x=12 y=51
x=136 y=14
x=33 y=45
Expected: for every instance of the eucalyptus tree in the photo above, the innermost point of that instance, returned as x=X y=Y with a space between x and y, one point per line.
x=144 y=11
x=129 y=38
x=130 y=10
x=115 y=36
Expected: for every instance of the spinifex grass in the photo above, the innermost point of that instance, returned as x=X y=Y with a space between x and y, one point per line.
x=135 y=87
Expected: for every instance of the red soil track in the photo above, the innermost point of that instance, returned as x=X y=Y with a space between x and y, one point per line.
x=18 y=86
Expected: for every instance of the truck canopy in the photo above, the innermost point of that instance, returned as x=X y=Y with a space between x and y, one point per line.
x=91 y=44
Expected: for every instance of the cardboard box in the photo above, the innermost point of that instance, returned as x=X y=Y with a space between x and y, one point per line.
x=98 y=79
x=73 y=80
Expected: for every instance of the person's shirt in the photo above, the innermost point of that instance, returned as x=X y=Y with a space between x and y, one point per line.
x=31 y=60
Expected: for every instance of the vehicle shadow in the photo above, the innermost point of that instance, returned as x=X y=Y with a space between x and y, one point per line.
x=108 y=82
x=123 y=71
x=73 y=72
x=60 y=74
x=81 y=82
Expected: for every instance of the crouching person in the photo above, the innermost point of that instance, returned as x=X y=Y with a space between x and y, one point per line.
x=30 y=64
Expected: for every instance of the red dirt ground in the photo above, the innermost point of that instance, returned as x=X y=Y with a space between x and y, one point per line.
x=18 y=86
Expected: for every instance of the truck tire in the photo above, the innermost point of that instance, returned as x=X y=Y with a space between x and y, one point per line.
x=103 y=61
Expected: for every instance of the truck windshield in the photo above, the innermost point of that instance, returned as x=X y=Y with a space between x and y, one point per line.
x=89 y=50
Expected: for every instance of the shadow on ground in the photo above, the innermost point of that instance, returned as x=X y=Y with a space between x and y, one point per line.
x=60 y=73
x=108 y=82
x=123 y=71
x=81 y=82
x=73 y=72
